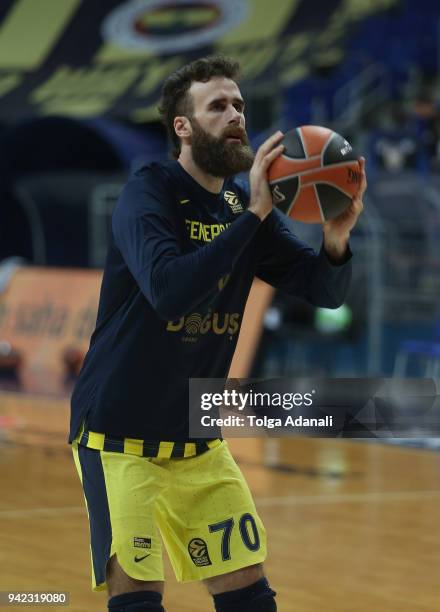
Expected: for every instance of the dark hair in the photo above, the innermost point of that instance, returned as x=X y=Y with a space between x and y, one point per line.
x=175 y=99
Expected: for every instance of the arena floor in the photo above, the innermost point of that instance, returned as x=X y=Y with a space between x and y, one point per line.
x=352 y=527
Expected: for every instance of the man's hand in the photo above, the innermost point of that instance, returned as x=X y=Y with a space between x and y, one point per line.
x=261 y=197
x=337 y=231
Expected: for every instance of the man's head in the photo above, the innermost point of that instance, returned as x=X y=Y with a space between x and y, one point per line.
x=202 y=108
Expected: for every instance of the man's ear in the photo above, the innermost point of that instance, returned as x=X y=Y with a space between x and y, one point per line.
x=182 y=126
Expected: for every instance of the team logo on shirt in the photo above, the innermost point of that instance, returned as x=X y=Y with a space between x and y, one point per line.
x=204 y=232
x=234 y=203
x=198 y=551
x=195 y=325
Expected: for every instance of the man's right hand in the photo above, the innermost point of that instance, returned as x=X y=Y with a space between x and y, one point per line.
x=261 y=197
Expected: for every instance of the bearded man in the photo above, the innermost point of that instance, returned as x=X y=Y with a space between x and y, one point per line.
x=187 y=241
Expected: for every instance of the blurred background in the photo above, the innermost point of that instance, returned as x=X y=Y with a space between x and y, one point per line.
x=79 y=86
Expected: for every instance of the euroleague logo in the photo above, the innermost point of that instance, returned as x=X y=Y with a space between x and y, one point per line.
x=198 y=551
x=171 y=26
x=194 y=325
x=234 y=203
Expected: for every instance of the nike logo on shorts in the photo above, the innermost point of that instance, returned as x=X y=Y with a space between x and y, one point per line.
x=137 y=559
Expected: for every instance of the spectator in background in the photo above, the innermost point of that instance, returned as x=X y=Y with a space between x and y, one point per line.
x=427 y=119
x=394 y=146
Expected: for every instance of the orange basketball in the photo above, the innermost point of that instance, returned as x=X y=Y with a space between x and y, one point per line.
x=317 y=175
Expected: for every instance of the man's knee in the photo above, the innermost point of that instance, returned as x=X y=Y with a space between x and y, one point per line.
x=131 y=595
x=246 y=590
x=235 y=580
x=257 y=597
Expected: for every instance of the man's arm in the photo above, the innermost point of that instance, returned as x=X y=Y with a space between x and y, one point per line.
x=288 y=263
x=144 y=228
x=145 y=233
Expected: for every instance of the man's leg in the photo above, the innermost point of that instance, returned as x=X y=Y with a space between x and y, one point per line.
x=128 y=594
x=217 y=536
x=123 y=523
x=245 y=590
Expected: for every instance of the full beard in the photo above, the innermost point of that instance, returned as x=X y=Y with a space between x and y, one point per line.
x=217 y=156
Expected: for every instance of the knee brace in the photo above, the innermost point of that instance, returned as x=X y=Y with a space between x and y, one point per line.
x=257 y=597
x=138 y=601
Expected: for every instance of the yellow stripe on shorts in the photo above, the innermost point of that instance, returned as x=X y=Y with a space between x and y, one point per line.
x=96 y=440
x=133 y=446
x=165 y=450
x=190 y=449
x=214 y=443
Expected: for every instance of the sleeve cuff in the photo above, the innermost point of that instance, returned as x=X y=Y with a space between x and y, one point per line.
x=337 y=263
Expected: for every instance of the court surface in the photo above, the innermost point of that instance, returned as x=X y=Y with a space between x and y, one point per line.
x=352 y=526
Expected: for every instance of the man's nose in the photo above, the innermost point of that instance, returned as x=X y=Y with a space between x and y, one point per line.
x=235 y=116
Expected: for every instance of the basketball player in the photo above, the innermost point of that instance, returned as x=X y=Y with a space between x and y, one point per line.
x=187 y=240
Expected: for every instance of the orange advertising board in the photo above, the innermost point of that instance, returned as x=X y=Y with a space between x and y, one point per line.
x=44 y=312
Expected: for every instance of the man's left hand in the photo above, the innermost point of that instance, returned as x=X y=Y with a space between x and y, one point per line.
x=337 y=231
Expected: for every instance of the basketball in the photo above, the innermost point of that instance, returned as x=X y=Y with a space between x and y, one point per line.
x=316 y=176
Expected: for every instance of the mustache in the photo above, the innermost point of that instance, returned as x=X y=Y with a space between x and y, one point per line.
x=235 y=132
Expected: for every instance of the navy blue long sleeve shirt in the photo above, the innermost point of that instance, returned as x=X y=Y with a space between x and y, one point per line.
x=179 y=269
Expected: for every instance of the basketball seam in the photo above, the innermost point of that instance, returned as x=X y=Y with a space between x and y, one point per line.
x=293 y=202
x=283 y=179
x=325 y=147
x=299 y=130
x=289 y=210
x=300 y=158
x=319 y=204
x=349 y=195
x=289 y=176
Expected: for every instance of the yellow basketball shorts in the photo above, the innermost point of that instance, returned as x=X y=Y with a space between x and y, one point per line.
x=200 y=506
